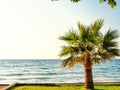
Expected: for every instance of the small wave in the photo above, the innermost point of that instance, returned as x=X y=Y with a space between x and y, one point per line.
x=51 y=73
x=44 y=68
x=42 y=78
x=14 y=74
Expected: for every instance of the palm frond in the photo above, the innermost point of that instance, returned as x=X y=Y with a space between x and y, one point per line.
x=96 y=26
x=65 y=62
x=68 y=50
x=65 y=51
x=70 y=62
x=81 y=28
x=106 y=56
x=79 y=59
x=95 y=36
x=96 y=39
x=114 y=51
x=111 y=35
x=83 y=31
x=70 y=37
x=108 y=40
x=96 y=60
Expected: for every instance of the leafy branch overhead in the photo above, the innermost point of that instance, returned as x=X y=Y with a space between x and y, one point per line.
x=112 y=3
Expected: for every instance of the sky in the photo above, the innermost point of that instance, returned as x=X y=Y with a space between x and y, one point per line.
x=29 y=29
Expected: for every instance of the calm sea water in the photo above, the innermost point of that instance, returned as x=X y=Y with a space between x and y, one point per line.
x=49 y=71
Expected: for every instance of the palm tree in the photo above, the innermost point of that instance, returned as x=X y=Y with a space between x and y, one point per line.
x=89 y=46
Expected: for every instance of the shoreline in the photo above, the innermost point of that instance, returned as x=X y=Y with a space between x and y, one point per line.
x=7 y=86
x=62 y=83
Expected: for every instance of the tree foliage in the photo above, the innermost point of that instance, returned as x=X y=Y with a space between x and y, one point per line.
x=112 y=3
x=89 y=40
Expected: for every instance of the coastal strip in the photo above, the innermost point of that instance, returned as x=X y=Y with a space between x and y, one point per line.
x=7 y=86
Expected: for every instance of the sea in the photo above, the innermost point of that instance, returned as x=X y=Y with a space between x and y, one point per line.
x=50 y=71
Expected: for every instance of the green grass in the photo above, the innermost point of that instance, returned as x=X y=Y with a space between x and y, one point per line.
x=36 y=87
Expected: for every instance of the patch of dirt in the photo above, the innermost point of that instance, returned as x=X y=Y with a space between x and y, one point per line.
x=3 y=86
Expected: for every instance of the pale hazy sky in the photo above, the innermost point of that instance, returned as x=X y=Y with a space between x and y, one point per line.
x=30 y=28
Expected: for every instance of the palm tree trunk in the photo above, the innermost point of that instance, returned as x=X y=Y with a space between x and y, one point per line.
x=88 y=73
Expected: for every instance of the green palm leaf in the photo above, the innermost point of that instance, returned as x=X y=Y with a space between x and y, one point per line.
x=68 y=50
x=70 y=37
x=70 y=62
x=65 y=62
x=83 y=32
x=96 y=26
x=109 y=39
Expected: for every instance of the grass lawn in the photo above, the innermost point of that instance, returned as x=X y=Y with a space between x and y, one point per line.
x=36 y=87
